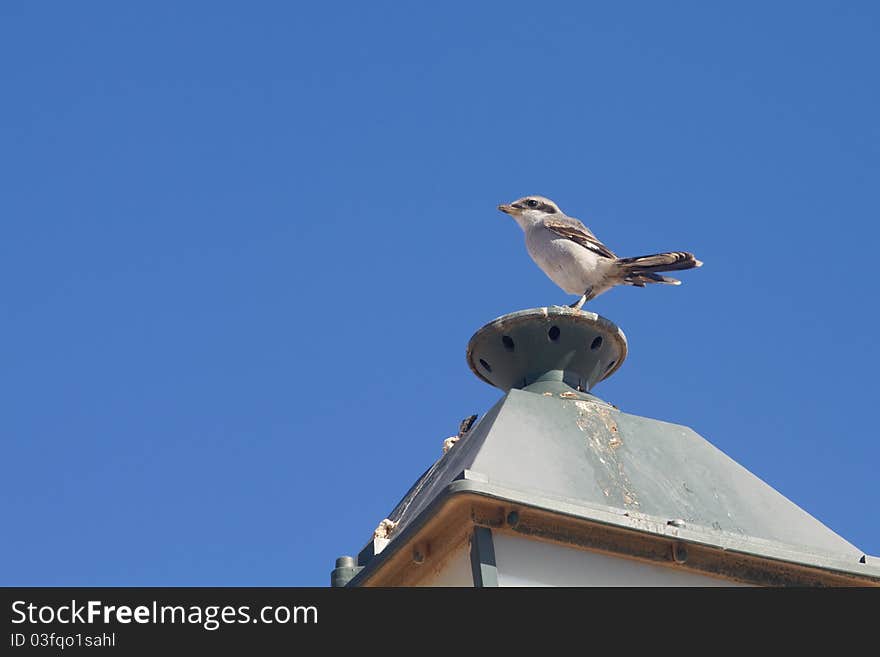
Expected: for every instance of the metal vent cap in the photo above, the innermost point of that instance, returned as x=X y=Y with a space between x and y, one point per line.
x=557 y=343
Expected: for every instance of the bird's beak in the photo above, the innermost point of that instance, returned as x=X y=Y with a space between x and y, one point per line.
x=507 y=209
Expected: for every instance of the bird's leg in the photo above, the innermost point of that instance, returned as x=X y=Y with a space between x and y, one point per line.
x=588 y=294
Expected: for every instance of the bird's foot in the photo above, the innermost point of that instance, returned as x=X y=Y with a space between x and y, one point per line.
x=588 y=294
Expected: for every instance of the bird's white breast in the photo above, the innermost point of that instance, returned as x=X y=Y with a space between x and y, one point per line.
x=568 y=264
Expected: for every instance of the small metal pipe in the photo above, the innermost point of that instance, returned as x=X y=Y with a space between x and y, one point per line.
x=346 y=568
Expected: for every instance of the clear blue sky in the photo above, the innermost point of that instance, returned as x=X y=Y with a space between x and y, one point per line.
x=243 y=247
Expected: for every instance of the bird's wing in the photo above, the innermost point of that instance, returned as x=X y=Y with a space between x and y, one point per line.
x=572 y=229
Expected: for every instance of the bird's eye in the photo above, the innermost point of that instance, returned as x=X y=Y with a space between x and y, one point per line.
x=532 y=203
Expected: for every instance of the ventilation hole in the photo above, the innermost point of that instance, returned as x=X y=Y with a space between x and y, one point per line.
x=610 y=365
x=597 y=342
x=553 y=333
x=485 y=365
x=508 y=342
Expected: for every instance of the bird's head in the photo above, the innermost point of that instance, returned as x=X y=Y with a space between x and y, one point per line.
x=529 y=209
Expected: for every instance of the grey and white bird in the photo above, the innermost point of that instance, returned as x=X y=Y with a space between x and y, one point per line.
x=569 y=253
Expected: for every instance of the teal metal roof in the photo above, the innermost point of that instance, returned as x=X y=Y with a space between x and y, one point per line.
x=550 y=445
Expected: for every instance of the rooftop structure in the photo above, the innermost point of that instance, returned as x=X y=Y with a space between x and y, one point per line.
x=554 y=486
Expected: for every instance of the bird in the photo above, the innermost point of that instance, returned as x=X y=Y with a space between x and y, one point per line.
x=463 y=428
x=568 y=252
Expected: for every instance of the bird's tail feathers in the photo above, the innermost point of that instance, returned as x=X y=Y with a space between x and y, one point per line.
x=642 y=270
